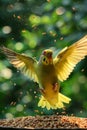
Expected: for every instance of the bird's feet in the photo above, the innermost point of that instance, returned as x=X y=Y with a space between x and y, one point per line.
x=55 y=87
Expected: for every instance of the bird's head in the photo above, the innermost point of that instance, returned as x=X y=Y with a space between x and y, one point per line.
x=46 y=57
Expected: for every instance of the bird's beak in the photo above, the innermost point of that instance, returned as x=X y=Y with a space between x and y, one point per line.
x=50 y=58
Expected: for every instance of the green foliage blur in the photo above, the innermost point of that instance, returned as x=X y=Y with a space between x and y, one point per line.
x=30 y=26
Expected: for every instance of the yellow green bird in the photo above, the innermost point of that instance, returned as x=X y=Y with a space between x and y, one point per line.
x=48 y=70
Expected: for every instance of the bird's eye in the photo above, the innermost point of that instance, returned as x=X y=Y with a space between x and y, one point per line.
x=44 y=59
x=49 y=54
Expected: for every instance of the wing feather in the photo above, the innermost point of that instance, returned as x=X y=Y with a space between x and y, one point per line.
x=67 y=59
x=25 y=63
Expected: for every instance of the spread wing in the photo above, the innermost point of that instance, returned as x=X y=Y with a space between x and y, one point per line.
x=25 y=63
x=67 y=59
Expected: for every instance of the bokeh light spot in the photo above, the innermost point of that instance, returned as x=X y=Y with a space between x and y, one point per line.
x=9 y=115
x=60 y=11
x=26 y=99
x=4 y=87
x=19 y=107
x=6 y=29
x=6 y=73
x=19 y=46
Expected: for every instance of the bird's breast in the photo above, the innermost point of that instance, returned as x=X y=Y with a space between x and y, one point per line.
x=46 y=75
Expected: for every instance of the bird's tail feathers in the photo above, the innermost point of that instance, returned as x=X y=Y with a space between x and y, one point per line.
x=60 y=104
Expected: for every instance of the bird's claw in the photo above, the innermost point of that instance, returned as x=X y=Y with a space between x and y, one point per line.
x=55 y=87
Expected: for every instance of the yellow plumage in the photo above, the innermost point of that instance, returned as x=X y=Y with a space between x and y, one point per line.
x=47 y=71
x=61 y=99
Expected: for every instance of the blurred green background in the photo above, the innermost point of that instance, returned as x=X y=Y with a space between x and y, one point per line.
x=30 y=26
